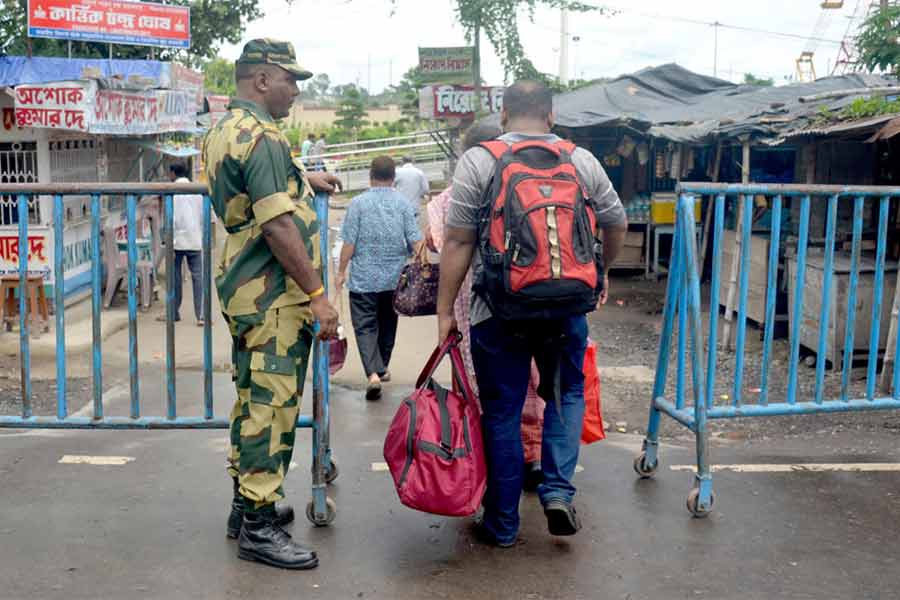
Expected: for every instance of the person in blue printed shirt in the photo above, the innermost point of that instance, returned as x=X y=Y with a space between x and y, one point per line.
x=380 y=234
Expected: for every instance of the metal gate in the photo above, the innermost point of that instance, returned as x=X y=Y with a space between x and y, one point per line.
x=320 y=510
x=683 y=312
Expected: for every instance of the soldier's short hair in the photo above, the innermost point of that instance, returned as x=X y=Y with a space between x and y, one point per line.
x=248 y=71
x=383 y=169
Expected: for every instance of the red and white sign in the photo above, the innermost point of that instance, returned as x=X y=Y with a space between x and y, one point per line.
x=9 y=119
x=80 y=106
x=63 y=105
x=187 y=80
x=457 y=101
x=111 y=21
x=218 y=107
x=38 y=260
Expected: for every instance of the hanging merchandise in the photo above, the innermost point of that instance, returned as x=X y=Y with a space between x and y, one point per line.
x=626 y=147
x=660 y=164
x=612 y=160
x=689 y=161
x=643 y=153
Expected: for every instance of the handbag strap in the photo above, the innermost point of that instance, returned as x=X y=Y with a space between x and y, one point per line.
x=461 y=375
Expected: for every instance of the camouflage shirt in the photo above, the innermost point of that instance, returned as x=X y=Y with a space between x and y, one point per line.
x=253 y=179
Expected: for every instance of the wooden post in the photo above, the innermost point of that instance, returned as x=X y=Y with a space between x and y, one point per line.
x=738 y=249
x=717 y=164
x=887 y=370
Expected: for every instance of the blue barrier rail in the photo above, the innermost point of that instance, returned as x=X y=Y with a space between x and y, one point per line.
x=683 y=314
x=321 y=510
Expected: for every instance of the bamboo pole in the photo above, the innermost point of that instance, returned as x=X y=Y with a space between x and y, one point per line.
x=709 y=211
x=738 y=249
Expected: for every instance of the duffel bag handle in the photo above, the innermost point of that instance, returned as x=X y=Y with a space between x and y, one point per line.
x=437 y=356
x=449 y=346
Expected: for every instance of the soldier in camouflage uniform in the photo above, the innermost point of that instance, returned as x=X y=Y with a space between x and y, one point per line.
x=270 y=290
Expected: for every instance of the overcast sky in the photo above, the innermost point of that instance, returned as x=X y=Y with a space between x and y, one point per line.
x=360 y=41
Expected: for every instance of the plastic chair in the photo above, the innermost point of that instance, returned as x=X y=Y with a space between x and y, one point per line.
x=116 y=263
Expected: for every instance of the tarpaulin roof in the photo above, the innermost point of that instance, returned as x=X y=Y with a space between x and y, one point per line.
x=20 y=70
x=673 y=103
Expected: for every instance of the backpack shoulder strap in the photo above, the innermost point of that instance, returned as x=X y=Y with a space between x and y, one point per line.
x=566 y=146
x=497 y=148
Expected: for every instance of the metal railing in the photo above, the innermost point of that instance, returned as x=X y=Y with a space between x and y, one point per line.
x=693 y=406
x=321 y=509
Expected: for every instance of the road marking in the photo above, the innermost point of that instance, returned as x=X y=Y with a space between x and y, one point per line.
x=800 y=468
x=115 y=461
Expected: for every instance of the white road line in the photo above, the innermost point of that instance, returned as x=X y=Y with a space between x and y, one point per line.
x=800 y=468
x=114 y=461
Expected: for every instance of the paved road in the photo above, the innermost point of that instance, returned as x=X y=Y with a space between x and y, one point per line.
x=153 y=528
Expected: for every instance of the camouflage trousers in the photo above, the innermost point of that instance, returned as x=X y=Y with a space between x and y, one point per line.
x=270 y=354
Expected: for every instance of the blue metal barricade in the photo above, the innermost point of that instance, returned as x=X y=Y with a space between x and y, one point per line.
x=684 y=308
x=320 y=510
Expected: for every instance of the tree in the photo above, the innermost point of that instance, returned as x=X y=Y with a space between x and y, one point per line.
x=218 y=77
x=213 y=22
x=351 y=112
x=751 y=79
x=499 y=20
x=879 y=41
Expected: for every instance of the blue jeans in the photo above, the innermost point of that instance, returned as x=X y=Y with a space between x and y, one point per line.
x=502 y=354
x=195 y=266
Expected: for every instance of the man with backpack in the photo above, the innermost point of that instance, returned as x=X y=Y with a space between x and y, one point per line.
x=525 y=214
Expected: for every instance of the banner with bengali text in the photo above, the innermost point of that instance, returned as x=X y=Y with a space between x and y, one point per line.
x=111 y=21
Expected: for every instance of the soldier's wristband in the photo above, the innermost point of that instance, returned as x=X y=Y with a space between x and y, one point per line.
x=317 y=293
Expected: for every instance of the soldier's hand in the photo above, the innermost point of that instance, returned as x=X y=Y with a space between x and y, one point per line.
x=327 y=317
x=324 y=182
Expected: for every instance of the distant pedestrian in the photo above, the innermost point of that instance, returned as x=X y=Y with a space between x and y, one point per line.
x=533 y=286
x=317 y=152
x=380 y=234
x=187 y=225
x=412 y=183
x=306 y=148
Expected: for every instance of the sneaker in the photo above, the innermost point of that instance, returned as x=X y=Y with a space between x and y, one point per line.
x=562 y=519
x=483 y=535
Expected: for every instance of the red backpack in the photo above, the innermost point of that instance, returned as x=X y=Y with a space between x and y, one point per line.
x=434 y=448
x=540 y=256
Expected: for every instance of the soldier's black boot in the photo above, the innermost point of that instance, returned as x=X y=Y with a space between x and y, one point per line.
x=283 y=514
x=261 y=540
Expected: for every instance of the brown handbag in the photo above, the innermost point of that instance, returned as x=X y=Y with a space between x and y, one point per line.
x=416 y=293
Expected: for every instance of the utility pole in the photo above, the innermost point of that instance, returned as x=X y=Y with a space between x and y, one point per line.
x=716 y=49
x=476 y=68
x=564 y=47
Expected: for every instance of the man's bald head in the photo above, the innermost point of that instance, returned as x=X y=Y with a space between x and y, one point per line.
x=529 y=100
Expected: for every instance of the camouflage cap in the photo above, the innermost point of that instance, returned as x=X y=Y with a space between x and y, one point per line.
x=267 y=51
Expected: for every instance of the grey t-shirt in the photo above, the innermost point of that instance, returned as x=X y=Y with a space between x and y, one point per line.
x=473 y=175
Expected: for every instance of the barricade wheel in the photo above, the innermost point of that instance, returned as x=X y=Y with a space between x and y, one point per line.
x=330 y=513
x=332 y=472
x=641 y=468
x=693 y=504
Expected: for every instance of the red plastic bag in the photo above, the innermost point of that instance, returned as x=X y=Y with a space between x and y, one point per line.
x=593 y=430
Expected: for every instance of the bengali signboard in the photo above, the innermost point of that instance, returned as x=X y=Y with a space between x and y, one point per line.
x=447 y=65
x=38 y=254
x=64 y=105
x=80 y=106
x=186 y=79
x=218 y=107
x=457 y=101
x=111 y=21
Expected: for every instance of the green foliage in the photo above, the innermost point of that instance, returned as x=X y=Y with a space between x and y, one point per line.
x=879 y=41
x=351 y=111
x=751 y=79
x=863 y=108
x=218 y=77
x=213 y=22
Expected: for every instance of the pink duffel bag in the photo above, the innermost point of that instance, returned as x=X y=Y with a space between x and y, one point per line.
x=434 y=447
